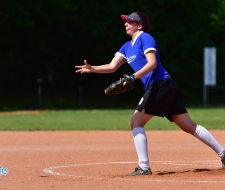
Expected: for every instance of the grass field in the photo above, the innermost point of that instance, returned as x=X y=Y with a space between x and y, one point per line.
x=211 y=118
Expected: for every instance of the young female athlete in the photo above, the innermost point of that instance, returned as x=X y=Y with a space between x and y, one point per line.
x=161 y=92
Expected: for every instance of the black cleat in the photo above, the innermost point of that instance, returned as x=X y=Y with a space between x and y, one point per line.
x=140 y=171
x=223 y=160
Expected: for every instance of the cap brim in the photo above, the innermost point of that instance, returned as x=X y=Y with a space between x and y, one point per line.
x=124 y=17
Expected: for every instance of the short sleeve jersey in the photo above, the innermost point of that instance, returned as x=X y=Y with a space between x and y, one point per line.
x=134 y=53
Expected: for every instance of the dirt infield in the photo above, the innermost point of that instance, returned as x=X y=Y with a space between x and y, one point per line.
x=97 y=160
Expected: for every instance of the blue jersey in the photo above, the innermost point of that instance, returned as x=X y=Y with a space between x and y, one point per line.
x=134 y=53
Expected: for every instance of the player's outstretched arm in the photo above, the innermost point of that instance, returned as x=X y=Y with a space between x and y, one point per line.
x=116 y=62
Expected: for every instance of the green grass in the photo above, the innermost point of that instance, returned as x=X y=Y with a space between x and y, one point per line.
x=211 y=118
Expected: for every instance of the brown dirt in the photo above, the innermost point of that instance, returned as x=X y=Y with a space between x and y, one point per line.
x=97 y=160
x=19 y=112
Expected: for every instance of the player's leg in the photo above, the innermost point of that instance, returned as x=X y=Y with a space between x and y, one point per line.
x=137 y=123
x=189 y=126
x=139 y=119
x=155 y=102
x=185 y=122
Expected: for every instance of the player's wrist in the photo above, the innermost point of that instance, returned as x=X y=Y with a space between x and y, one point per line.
x=133 y=77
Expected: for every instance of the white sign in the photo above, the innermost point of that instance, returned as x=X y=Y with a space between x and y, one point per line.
x=210 y=66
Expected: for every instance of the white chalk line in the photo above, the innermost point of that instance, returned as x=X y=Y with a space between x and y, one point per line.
x=50 y=171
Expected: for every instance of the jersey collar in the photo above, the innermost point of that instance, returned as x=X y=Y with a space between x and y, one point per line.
x=132 y=42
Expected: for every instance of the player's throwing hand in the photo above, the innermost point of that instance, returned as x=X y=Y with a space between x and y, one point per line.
x=86 y=68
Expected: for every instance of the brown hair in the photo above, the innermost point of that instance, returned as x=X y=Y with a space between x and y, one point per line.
x=147 y=25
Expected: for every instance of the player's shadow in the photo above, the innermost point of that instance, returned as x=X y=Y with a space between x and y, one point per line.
x=180 y=172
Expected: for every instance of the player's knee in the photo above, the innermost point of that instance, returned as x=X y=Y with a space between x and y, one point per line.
x=132 y=126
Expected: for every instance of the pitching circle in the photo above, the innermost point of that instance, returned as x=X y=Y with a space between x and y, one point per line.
x=51 y=171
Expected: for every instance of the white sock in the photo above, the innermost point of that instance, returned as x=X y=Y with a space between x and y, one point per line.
x=141 y=145
x=205 y=136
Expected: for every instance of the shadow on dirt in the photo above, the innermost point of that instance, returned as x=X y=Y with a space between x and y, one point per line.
x=179 y=172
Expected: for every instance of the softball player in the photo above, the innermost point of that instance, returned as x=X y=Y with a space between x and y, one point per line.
x=161 y=96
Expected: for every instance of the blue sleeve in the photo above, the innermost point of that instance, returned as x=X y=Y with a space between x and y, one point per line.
x=122 y=50
x=148 y=43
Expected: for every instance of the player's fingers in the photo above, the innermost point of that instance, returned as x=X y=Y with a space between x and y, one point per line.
x=86 y=63
x=78 y=71
x=78 y=66
x=82 y=70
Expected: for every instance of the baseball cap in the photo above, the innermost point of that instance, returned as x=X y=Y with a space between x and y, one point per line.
x=134 y=17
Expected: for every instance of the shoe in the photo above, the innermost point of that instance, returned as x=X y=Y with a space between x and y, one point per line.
x=223 y=160
x=140 y=171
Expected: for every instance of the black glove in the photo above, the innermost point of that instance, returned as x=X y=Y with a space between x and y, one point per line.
x=124 y=84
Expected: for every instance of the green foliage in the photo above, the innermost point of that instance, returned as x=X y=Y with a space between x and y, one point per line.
x=45 y=39
x=218 y=14
x=101 y=120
